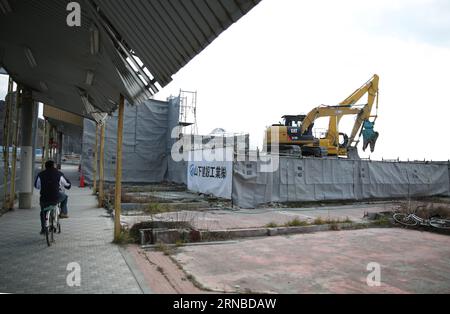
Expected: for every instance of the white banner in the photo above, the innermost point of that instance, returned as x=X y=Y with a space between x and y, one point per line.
x=211 y=172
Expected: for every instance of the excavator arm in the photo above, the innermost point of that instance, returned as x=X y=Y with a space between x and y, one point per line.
x=371 y=88
x=345 y=108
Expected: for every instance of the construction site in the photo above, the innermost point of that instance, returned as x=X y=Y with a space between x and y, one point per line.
x=158 y=205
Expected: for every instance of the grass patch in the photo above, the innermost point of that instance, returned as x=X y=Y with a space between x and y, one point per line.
x=156 y=208
x=162 y=247
x=347 y=220
x=180 y=243
x=296 y=223
x=124 y=238
x=383 y=221
x=330 y=221
x=318 y=221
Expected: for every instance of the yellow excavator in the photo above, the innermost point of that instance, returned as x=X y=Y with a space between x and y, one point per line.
x=296 y=137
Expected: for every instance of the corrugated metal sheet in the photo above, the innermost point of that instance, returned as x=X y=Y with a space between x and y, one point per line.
x=175 y=30
x=164 y=34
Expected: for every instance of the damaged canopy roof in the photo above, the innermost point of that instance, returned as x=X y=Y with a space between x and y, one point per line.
x=128 y=47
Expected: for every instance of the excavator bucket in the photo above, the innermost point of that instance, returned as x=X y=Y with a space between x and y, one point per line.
x=371 y=141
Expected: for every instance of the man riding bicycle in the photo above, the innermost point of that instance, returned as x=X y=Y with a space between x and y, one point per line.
x=52 y=184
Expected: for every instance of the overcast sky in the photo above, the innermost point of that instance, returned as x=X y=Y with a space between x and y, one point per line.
x=288 y=56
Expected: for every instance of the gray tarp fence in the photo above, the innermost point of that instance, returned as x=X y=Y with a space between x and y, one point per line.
x=146 y=144
x=337 y=179
x=176 y=171
x=147 y=159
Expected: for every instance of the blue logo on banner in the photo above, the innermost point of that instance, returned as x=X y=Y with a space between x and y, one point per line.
x=192 y=170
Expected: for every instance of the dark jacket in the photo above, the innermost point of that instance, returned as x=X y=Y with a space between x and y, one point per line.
x=51 y=182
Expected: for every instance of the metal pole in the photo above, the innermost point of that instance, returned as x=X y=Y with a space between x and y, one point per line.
x=118 y=189
x=95 y=159
x=101 y=191
x=12 y=194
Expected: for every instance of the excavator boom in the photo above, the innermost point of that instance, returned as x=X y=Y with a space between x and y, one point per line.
x=371 y=88
x=346 y=107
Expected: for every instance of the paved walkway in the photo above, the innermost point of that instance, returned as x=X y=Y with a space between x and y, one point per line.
x=27 y=265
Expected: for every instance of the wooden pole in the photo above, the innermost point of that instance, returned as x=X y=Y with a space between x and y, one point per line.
x=12 y=194
x=118 y=189
x=101 y=191
x=95 y=159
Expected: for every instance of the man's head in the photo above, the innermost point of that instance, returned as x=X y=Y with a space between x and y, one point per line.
x=50 y=164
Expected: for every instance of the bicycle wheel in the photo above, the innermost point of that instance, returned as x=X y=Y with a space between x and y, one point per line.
x=52 y=227
x=58 y=213
x=440 y=223
x=405 y=219
x=47 y=236
x=47 y=228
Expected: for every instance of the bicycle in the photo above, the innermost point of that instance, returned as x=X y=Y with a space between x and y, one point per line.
x=52 y=223
x=412 y=220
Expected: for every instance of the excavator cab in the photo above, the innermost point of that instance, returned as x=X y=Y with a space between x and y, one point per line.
x=293 y=123
x=293 y=120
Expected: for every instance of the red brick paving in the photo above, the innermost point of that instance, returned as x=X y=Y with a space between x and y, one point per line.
x=160 y=273
x=327 y=262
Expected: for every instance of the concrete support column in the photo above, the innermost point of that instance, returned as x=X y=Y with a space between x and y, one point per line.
x=26 y=150
x=46 y=142
x=35 y=128
x=12 y=194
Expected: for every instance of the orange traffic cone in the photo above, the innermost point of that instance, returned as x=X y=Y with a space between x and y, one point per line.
x=81 y=180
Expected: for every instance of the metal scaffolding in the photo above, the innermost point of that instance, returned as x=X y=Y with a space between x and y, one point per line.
x=188 y=112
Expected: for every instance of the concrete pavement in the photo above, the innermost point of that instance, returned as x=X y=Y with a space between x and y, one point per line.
x=27 y=265
x=260 y=217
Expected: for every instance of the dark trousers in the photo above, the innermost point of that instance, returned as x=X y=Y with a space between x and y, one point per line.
x=62 y=199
